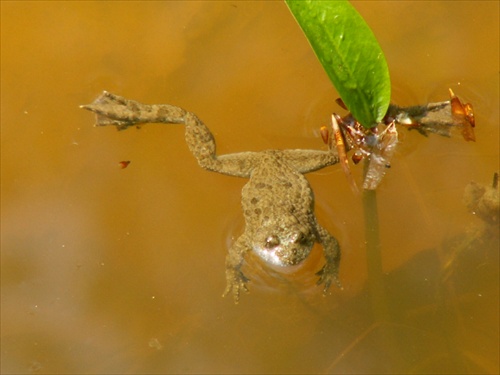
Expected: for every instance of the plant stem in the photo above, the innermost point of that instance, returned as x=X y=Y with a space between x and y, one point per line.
x=376 y=287
x=387 y=337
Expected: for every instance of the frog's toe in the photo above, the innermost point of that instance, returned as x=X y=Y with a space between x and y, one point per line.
x=327 y=275
x=235 y=285
x=235 y=291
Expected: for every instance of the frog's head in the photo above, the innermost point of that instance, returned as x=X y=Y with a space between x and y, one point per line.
x=283 y=246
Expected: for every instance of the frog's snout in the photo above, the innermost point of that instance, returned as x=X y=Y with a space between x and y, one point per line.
x=283 y=251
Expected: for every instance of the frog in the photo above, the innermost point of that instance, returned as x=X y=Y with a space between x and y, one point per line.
x=277 y=201
x=484 y=201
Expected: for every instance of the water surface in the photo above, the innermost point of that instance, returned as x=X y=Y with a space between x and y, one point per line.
x=109 y=270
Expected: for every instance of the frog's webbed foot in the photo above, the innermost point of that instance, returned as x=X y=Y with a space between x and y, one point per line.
x=236 y=282
x=330 y=271
x=111 y=109
x=235 y=279
x=328 y=274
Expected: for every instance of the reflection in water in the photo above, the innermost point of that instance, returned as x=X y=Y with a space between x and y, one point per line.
x=110 y=270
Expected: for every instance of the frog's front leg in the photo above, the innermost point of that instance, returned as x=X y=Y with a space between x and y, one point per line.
x=235 y=279
x=331 y=248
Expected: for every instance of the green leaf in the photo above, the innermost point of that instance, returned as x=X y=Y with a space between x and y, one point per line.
x=349 y=53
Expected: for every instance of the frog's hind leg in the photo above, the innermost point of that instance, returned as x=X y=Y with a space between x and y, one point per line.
x=305 y=161
x=201 y=143
x=121 y=112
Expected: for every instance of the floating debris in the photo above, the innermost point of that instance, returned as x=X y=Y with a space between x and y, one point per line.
x=377 y=144
x=124 y=164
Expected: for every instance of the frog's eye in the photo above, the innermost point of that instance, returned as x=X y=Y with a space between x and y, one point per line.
x=272 y=241
x=298 y=237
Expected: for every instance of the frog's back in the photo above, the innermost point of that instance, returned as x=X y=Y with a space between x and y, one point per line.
x=276 y=191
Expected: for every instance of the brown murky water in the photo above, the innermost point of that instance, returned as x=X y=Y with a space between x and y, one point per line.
x=109 y=270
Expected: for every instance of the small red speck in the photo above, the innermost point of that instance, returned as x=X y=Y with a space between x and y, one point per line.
x=124 y=164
